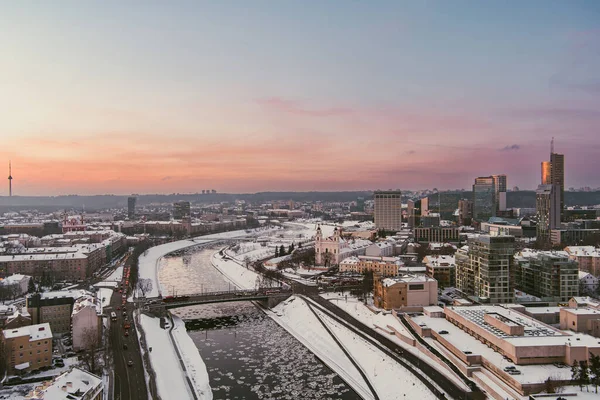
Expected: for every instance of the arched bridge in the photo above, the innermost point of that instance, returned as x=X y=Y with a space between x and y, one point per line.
x=271 y=296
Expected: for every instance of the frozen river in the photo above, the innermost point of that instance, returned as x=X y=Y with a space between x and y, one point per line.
x=248 y=356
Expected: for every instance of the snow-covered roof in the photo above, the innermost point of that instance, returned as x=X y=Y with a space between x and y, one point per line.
x=387 y=282
x=579 y=251
x=442 y=261
x=75 y=294
x=585 y=274
x=35 y=332
x=74 y=384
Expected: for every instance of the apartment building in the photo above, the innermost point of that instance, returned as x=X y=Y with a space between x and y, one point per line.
x=485 y=268
x=442 y=269
x=385 y=266
x=437 y=234
x=54 y=308
x=27 y=348
x=552 y=276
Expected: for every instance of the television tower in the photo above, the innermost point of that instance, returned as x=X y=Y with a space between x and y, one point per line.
x=9 y=180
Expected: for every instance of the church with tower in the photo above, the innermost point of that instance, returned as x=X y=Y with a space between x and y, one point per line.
x=333 y=249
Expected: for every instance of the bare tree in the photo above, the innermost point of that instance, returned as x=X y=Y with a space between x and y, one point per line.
x=247 y=262
x=90 y=355
x=144 y=286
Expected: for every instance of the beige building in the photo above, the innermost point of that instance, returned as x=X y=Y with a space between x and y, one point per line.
x=27 y=348
x=388 y=210
x=588 y=258
x=74 y=384
x=385 y=266
x=405 y=291
x=585 y=320
x=64 y=266
x=437 y=234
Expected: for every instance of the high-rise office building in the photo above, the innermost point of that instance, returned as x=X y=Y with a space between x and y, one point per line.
x=417 y=209
x=546 y=173
x=484 y=198
x=557 y=166
x=553 y=173
x=181 y=209
x=131 y=206
x=465 y=212
x=388 y=210
x=547 y=209
x=486 y=268
x=500 y=194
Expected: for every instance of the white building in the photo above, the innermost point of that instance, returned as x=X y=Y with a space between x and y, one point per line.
x=73 y=384
x=380 y=249
x=87 y=322
x=18 y=280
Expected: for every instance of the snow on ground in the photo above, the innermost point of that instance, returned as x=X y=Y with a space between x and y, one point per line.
x=107 y=284
x=116 y=275
x=390 y=379
x=196 y=369
x=171 y=383
x=296 y=318
x=238 y=275
x=358 y=310
x=104 y=295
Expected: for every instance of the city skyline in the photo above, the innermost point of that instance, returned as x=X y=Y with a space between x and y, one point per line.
x=280 y=97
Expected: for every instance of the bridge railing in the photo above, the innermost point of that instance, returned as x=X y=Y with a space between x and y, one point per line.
x=261 y=291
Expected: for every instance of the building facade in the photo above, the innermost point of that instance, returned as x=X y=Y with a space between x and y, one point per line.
x=548 y=275
x=465 y=212
x=388 y=210
x=86 y=323
x=385 y=266
x=27 y=348
x=181 y=209
x=485 y=268
x=484 y=198
x=54 y=308
x=547 y=206
x=405 y=291
x=442 y=269
x=437 y=234
x=131 y=207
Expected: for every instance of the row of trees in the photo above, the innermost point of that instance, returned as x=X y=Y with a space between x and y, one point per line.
x=584 y=373
x=280 y=251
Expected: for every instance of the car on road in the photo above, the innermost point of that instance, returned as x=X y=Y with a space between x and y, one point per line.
x=124 y=313
x=443 y=332
x=126 y=333
x=118 y=308
x=124 y=346
x=59 y=363
x=130 y=363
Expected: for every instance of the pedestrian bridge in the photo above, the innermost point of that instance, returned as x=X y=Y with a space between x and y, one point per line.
x=270 y=296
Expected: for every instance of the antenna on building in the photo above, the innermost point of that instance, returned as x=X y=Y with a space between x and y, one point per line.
x=552 y=146
x=10 y=178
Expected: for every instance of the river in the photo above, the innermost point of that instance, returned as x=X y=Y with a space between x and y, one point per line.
x=248 y=356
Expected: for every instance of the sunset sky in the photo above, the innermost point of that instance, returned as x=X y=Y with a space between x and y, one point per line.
x=247 y=96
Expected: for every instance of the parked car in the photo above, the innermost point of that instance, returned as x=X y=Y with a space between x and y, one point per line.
x=59 y=363
x=510 y=368
x=443 y=332
x=514 y=372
